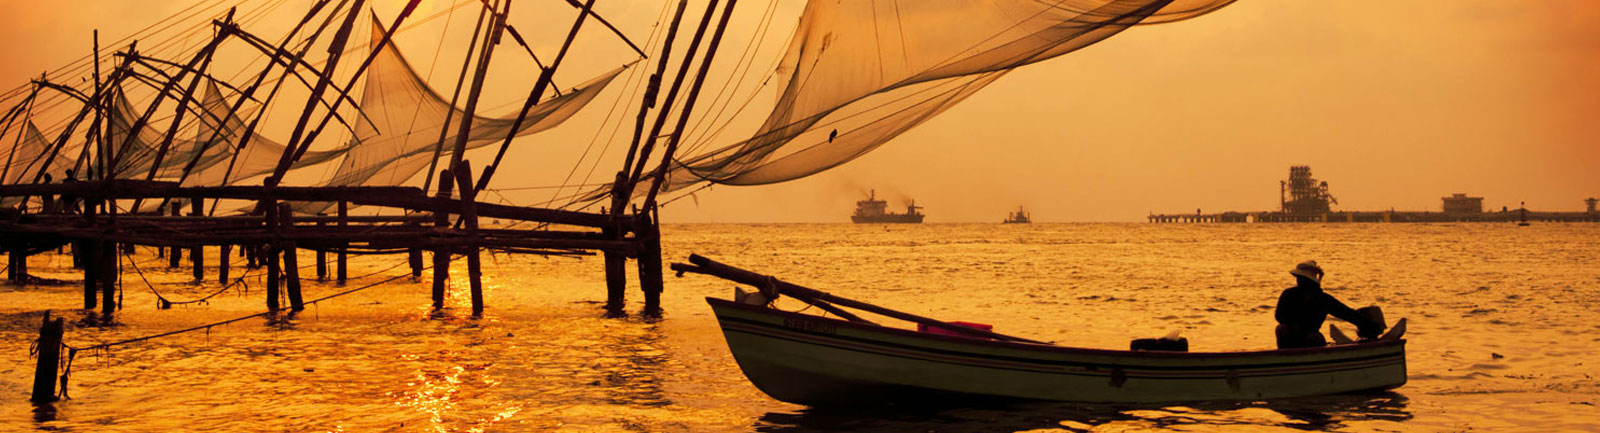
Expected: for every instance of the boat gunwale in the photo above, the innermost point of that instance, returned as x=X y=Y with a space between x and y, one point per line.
x=1052 y=348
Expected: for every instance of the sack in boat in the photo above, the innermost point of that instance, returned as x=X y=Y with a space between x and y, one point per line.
x=941 y=331
x=1177 y=344
x=749 y=298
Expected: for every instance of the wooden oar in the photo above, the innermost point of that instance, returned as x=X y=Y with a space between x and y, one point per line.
x=703 y=265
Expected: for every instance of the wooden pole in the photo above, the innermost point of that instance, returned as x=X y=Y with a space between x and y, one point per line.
x=414 y=258
x=108 y=279
x=441 y=255
x=271 y=207
x=469 y=215
x=702 y=265
x=87 y=257
x=198 y=255
x=291 y=260
x=222 y=263
x=342 y=259
x=322 y=256
x=178 y=253
x=649 y=261
x=44 y=373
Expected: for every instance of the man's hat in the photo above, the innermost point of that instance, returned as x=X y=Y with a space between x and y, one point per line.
x=1308 y=269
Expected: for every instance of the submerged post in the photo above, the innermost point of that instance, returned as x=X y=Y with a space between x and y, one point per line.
x=341 y=258
x=291 y=260
x=616 y=262
x=87 y=254
x=441 y=255
x=108 y=278
x=222 y=263
x=198 y=255
x=469 y=215
x=44 y=373
x=271 y=208
x=322 y=256
x=176 y=256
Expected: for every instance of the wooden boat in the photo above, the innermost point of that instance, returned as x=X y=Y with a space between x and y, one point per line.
x=820 y=361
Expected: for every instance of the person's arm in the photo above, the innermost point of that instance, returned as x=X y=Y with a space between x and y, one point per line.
x=1365 y=326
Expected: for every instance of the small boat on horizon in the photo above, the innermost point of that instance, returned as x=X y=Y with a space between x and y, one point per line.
x=822 y=361
x=1018 y=217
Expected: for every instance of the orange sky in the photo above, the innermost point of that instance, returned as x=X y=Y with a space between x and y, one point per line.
x=1394 y=103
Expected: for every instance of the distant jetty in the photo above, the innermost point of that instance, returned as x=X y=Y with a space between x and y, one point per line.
x=1304 y=199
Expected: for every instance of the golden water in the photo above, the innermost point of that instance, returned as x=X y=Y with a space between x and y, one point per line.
x=1504 y=332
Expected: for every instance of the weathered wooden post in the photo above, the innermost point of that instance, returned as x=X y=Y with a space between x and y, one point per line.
x=291 y=260
x=198 y=254
x=469 y=215
x=176 y=255
x=342 y=259
x=616 y=261
x=650 y=277
x=108 y=278
x=322 y=255
x=441 y=254
x=85 y=251
x=44 y=373
x=271 y=207
x=414 y=258
x=222 y=263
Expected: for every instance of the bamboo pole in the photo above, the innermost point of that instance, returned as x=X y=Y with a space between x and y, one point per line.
x=702 y=265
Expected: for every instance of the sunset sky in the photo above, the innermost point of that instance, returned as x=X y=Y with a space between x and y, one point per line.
x=1394 y=103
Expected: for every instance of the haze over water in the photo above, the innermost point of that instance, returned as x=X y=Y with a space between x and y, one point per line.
x=1503 y=336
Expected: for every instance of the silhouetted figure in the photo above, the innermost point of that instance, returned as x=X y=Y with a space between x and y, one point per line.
x=1302 y=309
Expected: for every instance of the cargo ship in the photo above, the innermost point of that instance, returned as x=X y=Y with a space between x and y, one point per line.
x=874 y=211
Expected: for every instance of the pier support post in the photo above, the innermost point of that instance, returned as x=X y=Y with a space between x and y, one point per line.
x=198 y=255
x=176 y=256
x=441 y=255
x=85 y=248
x=223 y=251
x=342 y=258
x=272 y=256
x=650 y=277
x=469 y=217
x=414 y=258
x=616 y=262
x=44 y=373
x=107 y=269
x=291 y=260
x=84 y=251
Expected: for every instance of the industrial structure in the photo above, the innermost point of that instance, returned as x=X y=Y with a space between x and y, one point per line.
x=1303 y=198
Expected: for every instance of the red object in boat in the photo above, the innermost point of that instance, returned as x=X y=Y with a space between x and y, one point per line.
x=942 y=331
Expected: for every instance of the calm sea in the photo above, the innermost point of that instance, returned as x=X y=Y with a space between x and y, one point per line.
x=1504 y=332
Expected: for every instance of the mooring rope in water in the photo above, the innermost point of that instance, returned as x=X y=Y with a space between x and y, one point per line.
x=72 y=351
x=164 y=303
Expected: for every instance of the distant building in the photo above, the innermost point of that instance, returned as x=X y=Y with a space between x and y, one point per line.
x=1591 y=202
x=1460 y=204
x=1303 y=194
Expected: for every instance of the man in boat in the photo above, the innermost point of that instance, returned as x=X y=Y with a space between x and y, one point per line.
x=1302 y=309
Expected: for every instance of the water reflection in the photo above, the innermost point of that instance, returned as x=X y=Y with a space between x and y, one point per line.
x=1312 y=414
